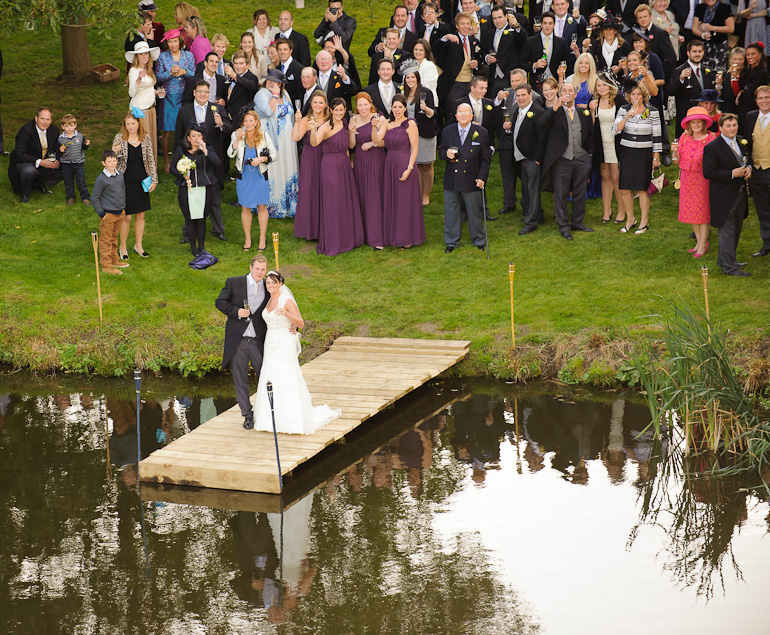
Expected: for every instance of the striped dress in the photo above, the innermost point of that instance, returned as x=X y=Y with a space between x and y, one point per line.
x=641 y=136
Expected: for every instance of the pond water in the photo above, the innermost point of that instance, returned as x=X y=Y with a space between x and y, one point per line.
x=473 y=506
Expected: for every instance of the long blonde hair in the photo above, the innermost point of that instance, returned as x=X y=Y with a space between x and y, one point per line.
x=591 y=79
x=253 y=138
x=147 y=69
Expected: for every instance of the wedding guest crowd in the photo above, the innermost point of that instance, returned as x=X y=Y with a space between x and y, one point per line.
x=575 y=99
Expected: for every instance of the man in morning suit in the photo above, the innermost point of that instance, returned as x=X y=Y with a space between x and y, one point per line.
x=334 y=83
x=414 y=20
x=291 y=68
x=245 y=330
x=503 y=44
x=460 y=56
x=309 y=79
x=30 y=164
x=521 y=154
x=301 y=44
x=659 y=42
x=336 y=22
x=240 y=88
x=465 y=147
x=392 y=52
x=544 y=52
x=406 y=38
x=433 y=29
x=688 y=80
x=726 y=165
x=756 y=129
x=570 y=142
x=213 y=118
x=566 y=26
x=384 y=90
x=206 y=71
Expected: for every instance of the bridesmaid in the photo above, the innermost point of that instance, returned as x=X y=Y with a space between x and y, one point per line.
x=368 y=168
x=403 y=218
x=308 y=216
x=341 y=228
x=252 y=150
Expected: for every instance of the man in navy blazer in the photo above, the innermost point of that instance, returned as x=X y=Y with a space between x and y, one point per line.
x=245 y=330
x=568 y=149
x=465 y=147
x=31 y=163
x=727 y=167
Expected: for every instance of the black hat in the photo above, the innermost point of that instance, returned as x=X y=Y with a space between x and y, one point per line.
x=610 y=22
x=197 y=127
x=708 y=94
x=274 y=75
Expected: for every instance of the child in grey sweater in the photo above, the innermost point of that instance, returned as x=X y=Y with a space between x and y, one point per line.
x=109 y=200
x=72 y=145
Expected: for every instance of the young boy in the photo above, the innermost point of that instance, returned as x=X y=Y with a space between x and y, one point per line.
x=72 y=145
x=109 y=200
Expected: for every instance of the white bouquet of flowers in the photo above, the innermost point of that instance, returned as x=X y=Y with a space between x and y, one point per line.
x=186 y=165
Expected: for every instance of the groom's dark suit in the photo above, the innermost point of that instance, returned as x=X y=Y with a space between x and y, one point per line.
x=240 y=350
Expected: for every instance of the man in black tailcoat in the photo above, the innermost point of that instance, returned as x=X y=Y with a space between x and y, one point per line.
x=206 y=71
x=334 y=83
x=688 y=80
x=503 y=46
x=290 y=67
x=727 y=166
x=756 y=129
x=465 y=147
x=460 y=56
x=30 y=164
x=544 y=52
x=301 y=44
x=240 y=88
x=568 y=149
x=245 y=330
x=383 y=91
x=214 y=119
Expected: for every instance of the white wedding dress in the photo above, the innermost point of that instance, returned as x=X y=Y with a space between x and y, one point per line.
x=294 y=411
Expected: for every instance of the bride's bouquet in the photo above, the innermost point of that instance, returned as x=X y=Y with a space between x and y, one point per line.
x=185 y=165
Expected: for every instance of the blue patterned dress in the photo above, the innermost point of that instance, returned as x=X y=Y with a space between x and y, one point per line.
x=174 y=85
x=283 y=171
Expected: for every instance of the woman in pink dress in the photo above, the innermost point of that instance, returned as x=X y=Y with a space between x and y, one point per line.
x=694 y=188
x=402 y=200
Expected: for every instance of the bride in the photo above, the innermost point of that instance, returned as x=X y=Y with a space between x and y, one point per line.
x=294 y=411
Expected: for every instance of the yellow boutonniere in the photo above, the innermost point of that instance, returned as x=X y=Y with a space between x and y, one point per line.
x=707 y=70
x=506 y=32
x=530 y=114
x=586 y=113
x=337 y=85
x=477 y=49
x=646 y=113
x=396 y=57
x=475 y=136
x=744 y=142
x=488 y=107
x=401 y=88
x=570 y=20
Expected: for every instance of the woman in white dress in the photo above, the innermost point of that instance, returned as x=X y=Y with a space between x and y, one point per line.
x=426 y=66
x=276 y=114
x=262 y=31
x=293 y=407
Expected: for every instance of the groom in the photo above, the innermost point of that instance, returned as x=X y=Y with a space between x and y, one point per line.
x=244 y=339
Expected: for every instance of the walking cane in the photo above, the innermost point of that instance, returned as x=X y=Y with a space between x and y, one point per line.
x=275 y=434
x=484 y=214
x=95 y=243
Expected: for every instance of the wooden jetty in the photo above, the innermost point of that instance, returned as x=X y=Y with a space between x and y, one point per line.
x=359 y=375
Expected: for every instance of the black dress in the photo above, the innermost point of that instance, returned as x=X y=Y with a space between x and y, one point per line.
x=137 y=200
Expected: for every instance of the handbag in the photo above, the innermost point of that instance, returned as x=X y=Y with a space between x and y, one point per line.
x=658 y=183
x=203 y=260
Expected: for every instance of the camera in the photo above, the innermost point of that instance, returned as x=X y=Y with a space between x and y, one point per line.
x=333 y=10
x=510 y=11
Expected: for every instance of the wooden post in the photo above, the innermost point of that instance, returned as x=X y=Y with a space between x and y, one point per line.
x=704 y=272
x=511 y=272
x=275 y=250
x=95 y=243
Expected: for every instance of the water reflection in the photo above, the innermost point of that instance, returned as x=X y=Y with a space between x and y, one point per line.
x=458 y=512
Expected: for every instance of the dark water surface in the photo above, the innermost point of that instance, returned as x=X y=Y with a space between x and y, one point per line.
x=472 y=507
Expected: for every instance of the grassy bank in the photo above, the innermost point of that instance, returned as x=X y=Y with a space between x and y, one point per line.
x=580 y=305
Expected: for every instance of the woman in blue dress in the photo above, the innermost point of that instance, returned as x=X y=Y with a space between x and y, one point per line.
x=276 y=114
x=253 y=150
x=171 y=69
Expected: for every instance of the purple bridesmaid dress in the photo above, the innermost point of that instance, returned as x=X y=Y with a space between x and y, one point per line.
x=368 y=168
x=340 y=229
x=308 y=214
x=403 y=219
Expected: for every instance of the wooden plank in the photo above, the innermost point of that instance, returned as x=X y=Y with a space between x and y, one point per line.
x=213 y=474
x=393 y=353
x=401 y=341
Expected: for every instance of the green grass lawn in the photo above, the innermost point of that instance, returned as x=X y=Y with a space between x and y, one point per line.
x=586 y=298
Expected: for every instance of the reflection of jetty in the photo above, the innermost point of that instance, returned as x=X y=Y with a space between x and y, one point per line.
x=362 y=376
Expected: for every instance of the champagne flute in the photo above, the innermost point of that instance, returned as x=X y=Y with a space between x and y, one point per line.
x=246 y=306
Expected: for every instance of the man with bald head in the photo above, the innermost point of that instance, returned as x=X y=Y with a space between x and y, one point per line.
x=465 y=147
x=301 y=43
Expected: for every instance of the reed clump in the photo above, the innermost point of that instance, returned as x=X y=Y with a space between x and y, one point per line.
x=694 y=393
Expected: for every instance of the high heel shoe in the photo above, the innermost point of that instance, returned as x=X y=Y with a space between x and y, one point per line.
x=642 y=230
x=697 y=255
x=617 y=221
x=260 y=248
x=627 y=229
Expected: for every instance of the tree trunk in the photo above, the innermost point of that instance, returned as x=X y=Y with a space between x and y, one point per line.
x=76 y=57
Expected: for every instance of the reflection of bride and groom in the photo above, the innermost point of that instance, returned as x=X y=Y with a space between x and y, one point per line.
x=262 y=322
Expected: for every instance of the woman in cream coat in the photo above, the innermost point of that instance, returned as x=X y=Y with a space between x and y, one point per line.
x=253 y=151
